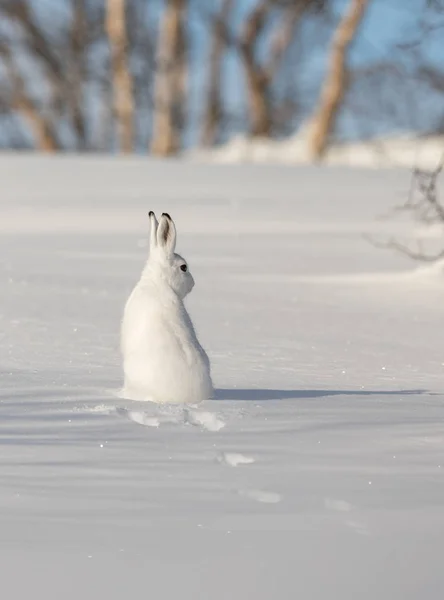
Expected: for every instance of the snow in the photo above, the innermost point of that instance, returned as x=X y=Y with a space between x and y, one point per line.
x=406 y=150
x=318 y=470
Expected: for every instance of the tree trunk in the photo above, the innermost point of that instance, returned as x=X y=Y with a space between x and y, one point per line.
x=261 y=123
x=123 y=100
x=43 y=126
x=213 y=110
x=257 y=81
x=77 y=78
x=170 y=81
x=335 y=84
x=43 y=129
x=261 y=76
x=104 y=126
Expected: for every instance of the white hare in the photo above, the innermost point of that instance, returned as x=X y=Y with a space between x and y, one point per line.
x=162 y=358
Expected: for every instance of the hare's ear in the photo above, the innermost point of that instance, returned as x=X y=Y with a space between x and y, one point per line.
x=153 y=230
x=166 y=234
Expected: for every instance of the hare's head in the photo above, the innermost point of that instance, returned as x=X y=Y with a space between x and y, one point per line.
x=163 y=262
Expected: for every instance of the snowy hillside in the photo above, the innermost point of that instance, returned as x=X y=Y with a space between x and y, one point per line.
x=318 y=471
x=403 y=151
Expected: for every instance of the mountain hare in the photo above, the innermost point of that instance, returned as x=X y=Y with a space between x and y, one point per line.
x=162 y=358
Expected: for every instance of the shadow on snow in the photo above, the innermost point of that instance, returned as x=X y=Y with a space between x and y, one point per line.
x=262 y=394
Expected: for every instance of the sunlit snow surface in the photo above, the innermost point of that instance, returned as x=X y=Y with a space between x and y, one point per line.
x=317 y=472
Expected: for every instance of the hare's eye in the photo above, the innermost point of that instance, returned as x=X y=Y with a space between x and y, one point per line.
x=183 y=268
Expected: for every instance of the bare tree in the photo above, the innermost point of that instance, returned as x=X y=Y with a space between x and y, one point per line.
x=260 y=76
x=335 y=84
x=60 y=56
x=122 y=80
x=74 y=61
x=425 y=206
x=426 y=72
x=171 y=77
x=77 y=76
x=213 y=109
x=142 y=39
x=135 y=65
x=34 y=41
x=41 y=125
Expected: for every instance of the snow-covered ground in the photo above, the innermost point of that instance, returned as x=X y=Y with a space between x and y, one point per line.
x=406 y=151
x=317 y=473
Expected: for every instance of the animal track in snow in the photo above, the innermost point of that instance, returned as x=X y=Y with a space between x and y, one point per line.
x=147 y=419
x=207 y=420
x=233 y=459
x=142 y=418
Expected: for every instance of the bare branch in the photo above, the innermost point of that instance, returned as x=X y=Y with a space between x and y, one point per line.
x=284 y=35
x=424 y=205
x=42 y=127
x=420 y=255
x=260 y=76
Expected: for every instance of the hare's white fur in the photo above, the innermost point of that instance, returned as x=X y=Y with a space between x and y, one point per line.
x=163 y=360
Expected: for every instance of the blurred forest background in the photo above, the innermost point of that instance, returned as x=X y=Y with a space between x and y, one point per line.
x=161 y=76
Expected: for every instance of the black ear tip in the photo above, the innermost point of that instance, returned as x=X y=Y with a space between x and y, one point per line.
x=151 y=214
x=167 y=216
